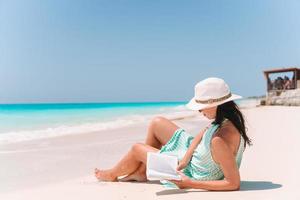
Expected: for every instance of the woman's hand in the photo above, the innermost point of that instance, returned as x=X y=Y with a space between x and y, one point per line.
x=184 y=182
x=182 y=164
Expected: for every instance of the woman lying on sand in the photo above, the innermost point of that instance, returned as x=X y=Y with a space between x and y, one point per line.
x=210 y=160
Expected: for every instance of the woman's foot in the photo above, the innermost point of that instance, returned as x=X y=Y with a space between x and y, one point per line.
x=135 y=176
x=105 y=175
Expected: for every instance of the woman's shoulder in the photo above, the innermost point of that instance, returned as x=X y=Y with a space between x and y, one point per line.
x=226 y=129
x=228 y=135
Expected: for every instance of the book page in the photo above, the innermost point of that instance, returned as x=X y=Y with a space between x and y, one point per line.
x=161 y=167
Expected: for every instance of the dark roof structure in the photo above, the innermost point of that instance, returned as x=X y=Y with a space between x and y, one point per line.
x=272 y=86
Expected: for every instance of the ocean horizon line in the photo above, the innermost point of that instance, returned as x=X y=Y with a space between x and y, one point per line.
x=106 y=102
x=90 y=102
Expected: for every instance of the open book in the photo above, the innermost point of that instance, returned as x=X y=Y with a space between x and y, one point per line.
x=161 y=167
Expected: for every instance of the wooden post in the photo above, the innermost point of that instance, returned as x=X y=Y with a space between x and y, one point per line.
x=296 y=78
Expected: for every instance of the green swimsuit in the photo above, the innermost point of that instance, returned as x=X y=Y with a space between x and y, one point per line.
x=201 y=166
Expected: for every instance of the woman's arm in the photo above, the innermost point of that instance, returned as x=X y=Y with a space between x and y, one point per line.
x=222 y=155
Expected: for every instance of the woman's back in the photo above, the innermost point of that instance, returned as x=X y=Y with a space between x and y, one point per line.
x=202 y=165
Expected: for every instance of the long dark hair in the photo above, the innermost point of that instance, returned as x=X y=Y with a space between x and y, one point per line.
x=232 y=112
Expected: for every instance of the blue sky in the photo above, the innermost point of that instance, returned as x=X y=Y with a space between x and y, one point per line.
x=141 y=50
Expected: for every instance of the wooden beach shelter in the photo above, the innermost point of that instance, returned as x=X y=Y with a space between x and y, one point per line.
x=276 y=85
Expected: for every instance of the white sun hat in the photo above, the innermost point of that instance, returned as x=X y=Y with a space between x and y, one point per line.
x=211 y=92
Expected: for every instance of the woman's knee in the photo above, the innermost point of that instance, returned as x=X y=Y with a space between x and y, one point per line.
x=163 y=125
x=158 y=120
x=163 y=129
x=139 y=151
x=135 y=147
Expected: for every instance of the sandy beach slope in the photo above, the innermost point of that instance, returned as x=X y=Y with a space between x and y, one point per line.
x=62 y=167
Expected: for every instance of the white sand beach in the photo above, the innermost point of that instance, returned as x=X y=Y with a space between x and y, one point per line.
x=62 y=167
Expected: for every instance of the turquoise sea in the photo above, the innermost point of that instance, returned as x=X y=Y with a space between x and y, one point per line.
x=20 y=122
x=29 y=121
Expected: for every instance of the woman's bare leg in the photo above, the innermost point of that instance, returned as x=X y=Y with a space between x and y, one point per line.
x=160 y=132
x=128 y=164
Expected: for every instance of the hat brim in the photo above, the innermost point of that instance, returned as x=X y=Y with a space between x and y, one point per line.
x=193 y=105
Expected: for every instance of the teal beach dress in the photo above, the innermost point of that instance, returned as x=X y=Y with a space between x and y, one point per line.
x=201 y=166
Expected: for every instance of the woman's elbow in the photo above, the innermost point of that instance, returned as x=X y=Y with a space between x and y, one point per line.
x=234 y=186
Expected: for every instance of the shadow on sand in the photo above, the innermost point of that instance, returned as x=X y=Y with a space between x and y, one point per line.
x=245 y=186
x=258 y=185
